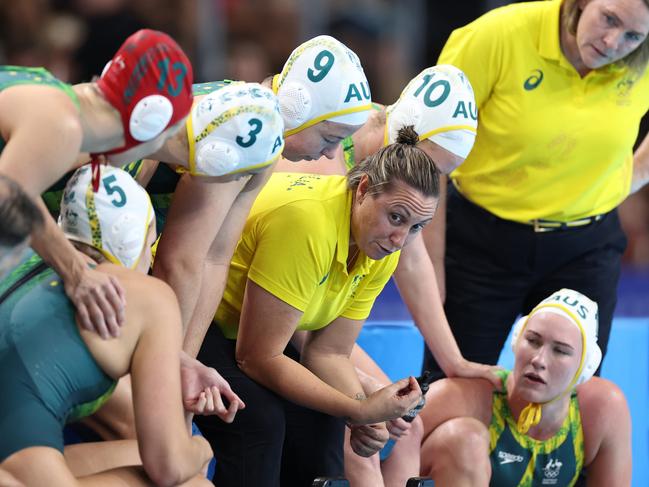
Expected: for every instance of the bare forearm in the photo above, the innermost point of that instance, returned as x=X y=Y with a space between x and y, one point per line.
x=417 y=285
x=641 y=166
x=434 y=236
x=194 y=222
x=211 y=292
x=182 y=460
x=336 y=370
x=183 y=278
x=369 y=373
x=216 y=263
x=197 y=454
x=296 y=383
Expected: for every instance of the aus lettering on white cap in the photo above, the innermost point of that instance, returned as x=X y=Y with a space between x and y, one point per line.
x=582 y=312
x=439 y=103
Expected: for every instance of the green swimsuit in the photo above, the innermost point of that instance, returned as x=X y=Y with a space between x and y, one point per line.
x=518 y=460
x=47 y=375
x=348 y=145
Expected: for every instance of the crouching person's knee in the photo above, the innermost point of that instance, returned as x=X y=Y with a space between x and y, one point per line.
x=459 y=449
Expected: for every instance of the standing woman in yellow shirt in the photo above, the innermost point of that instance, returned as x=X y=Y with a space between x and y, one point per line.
x=561 y=87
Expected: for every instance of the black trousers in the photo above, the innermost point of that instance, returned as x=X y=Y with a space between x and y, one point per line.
x=497 y=269
x=272 y=442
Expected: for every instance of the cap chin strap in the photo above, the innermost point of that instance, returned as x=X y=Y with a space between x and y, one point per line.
x=530 y=416
x=96 y=173
x=327 y=116
x=148 y=119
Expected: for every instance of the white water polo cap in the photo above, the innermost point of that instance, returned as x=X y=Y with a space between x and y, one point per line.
x=439 y=103
x=322 y=80
x=114 y=220
x=235 y=129
x=582 y=312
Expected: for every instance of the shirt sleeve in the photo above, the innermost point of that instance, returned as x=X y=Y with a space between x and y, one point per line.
x=293 y=250
x=476 y=49
x=370 y=287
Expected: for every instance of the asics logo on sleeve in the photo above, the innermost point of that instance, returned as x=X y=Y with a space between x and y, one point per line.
x=506 y=458
x=534 y=80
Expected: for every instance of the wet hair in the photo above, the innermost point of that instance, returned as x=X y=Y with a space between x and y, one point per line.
x=19 y=215
x=637 y=60
x=402 y=161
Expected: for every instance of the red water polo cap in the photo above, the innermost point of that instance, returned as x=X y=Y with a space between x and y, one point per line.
x=149 y=81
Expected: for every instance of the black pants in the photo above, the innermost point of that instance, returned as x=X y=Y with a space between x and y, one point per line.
x=497 y=269
x=272 y=441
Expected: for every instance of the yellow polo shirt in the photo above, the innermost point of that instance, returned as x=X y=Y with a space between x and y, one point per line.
x=295 y=245
x=550 y=144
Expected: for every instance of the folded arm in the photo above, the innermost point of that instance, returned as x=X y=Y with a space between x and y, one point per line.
x=266 y=326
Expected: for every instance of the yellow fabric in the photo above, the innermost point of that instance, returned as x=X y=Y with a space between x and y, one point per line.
x=530 y=416
x=328 y=116
x=191 y=142
x=560 y=149
x=295 y=245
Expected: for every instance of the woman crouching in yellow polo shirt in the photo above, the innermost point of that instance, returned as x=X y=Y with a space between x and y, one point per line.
x=314 y=254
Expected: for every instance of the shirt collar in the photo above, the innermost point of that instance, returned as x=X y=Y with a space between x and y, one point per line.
x=363 y=263
x=549 y=35
x=549 y=39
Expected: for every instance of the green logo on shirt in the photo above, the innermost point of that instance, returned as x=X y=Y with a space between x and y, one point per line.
x=355 y=282
x=534 y=80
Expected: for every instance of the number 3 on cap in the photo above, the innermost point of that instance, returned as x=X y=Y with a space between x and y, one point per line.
x=322 y=63
x=256 y=125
